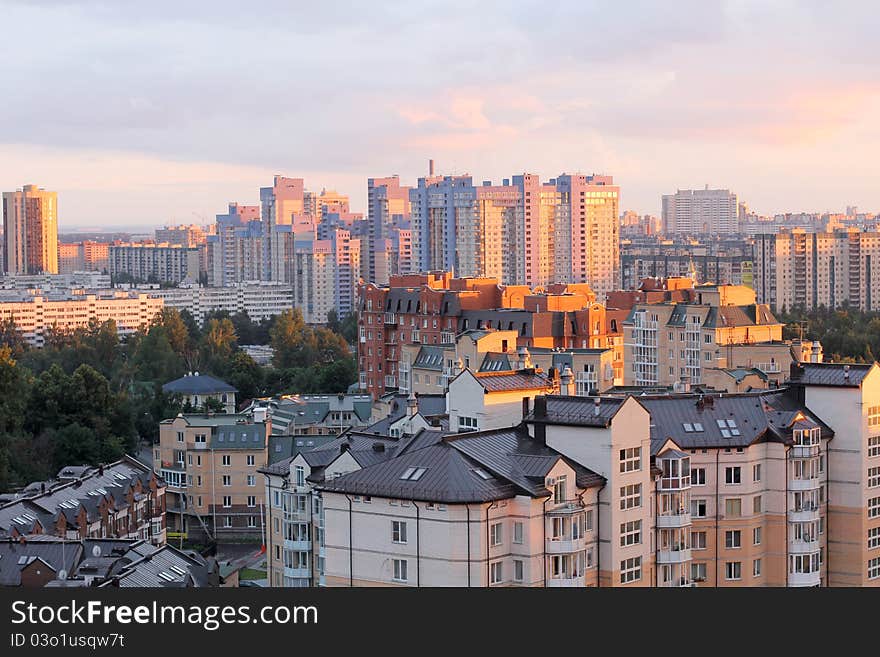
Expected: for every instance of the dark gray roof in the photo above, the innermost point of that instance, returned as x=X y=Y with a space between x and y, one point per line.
x=57 y=554
x=201 y=384
x=756 y=417
x=239 y=436
x=165 y=566
x=429 y=358
x=830 y=374
x=429 y=406
x=514 y=464
x=579 y=411
x=495 y=362
x=518 y=380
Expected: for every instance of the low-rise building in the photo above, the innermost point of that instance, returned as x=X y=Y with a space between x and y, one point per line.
x=200 y=390
x=210 y=463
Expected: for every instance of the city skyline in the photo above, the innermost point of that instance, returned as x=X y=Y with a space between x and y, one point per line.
x=659 y=100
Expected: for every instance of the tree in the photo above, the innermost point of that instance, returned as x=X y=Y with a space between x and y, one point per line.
x=219 y=340
x=176 y=330
x=288 y=337
x=14 y=391
x=11 y=337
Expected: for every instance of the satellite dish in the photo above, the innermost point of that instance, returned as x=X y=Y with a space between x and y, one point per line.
x=96 y=551
x=62 y=574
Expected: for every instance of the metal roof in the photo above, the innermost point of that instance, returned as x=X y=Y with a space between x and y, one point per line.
x=579 y=411
x=519 y=380
x=197 y=384
x=831 y=374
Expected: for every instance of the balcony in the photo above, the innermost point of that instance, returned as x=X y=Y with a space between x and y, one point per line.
x=805 y=579
x=804 y=451
x=805 y=514
x=565 y=546
x=674 y=483
x=297 y=546
x=673 y=521
x=565 y=582
x=390 y=318
x=769 y=368
x=812 y=483
x=673 y=556
x=297 y=573
x=565 y=508
x=800 y=546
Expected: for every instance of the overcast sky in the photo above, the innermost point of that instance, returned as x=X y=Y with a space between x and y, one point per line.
x=142 y=113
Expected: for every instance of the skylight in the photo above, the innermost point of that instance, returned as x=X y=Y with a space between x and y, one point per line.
x=166 y=576
x=413 y=474
x=698 y=426
x=688 y=427
x=482 y=474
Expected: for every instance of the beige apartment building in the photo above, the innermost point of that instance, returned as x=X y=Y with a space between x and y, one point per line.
x=210 y=464
x=30 y=231
x=722 y=327
x=795 y=268
x=34 y=314
x=83 y=256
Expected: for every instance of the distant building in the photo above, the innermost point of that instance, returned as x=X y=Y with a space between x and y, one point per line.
x=154 y=263
x=83 y=256
x=30 y=231
x=196 y=389
x=700 y=212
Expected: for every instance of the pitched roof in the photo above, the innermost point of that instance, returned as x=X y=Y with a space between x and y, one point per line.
x=518 y=380
x=197 y=384
x=579 y=411
x=831 y=374
x=58 y=555
x=429 y=358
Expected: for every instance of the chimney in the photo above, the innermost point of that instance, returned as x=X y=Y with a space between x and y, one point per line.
x=526 y=403
x=846 y=372
x=796 y=372
x=431 y=167
x=540 y=407
x=412 y=404
x=343 y=448
x=378 y=447
x=565 y=381
x=597 y=404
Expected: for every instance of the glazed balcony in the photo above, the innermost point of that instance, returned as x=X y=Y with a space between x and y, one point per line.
x=674 y=520
x=673 y=556
x=565 y=582
x=565 y=545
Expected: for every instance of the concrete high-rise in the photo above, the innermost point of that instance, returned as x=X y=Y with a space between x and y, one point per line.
x=30 y=227
x=388 y=205
x=700 y=211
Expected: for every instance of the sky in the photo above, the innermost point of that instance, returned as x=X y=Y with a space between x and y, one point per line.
x=146 y=113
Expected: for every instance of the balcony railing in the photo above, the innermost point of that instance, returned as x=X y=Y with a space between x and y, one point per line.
x=673 y=520
x=565 y=546
x=802 y=546
x=674 y=483
x=805 y=579
x=568 y=582
x=811 y=483
x=804 y=514
x=673 y=555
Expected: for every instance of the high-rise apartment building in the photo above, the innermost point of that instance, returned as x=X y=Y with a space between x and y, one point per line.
x=795 y=268
x=30 y=230
x=154 y=263
x=388 y=206
x=700 y=211
x=83 y=256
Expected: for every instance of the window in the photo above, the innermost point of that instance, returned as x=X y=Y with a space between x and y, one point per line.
x=299 y=473
x=252 y=500
x=252 y=521
x=251 y=480
x=698 y=572
x=873 y=416
x=518 y=570
x=226 y=460
x=517 y=533
x=756 y=568
x=733 y=539
x=227 y=480
x=559 y=492
x=630 y=533
x=398 y=531
x=467 y=424
x=756 y=472
x=874 y=507
x=189 y=459
x=873 y=446
x=588 y=521
x=495 y=534
x=276 y=498
x=631 y=459
x=399 y=566
x=496 y=572
x=733 y=507
x=251 y=459
x=630 y=496
x=874 y=568
x=698 y=476
x=413 y=474
x=180 y=436
x=733 y=475
x=874 y=538
x=873 y=477
x=698 y=508
x=630 y=570
x=756 y=536
x=698 y=540
x=227 y=521
x=733 y=570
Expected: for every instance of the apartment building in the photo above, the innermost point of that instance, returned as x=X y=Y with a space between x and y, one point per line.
x=83 y=256
x=717 y=326
x=724 y=260
x=154 y=262
x=431 y=309
x=315 y=415
x=191 y=235
x=79 y=280
x=388 y=207
x=30 y=231
x=261 y=300
x=210 y=463
x=225 y=265
x=700 y=212
x=33 y=315
x=800 y=269
x=123 y=499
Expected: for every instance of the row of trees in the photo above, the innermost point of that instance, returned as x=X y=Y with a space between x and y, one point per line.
x=847 y=334
x=88 y=396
